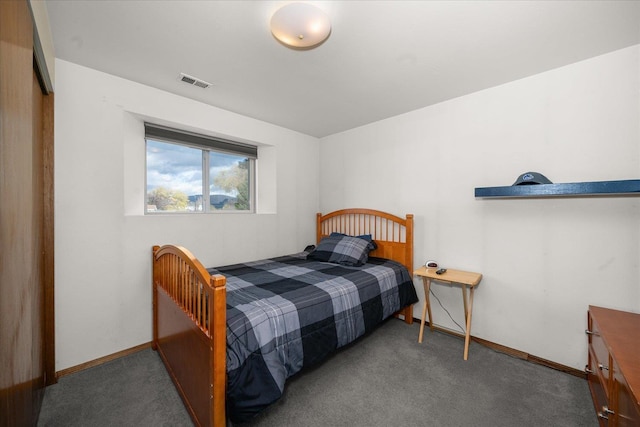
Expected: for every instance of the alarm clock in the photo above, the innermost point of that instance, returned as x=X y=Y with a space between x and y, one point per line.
x=431 y=264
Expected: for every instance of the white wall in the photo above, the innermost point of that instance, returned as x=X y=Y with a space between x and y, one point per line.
x=544 y=260
x=103 y=241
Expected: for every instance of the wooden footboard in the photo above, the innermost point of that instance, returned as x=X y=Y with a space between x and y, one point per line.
x=393 y=235
x=189 y=331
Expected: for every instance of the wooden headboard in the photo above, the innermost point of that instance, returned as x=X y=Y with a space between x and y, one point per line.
x=392 y=234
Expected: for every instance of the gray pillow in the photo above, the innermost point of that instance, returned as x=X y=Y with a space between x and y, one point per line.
x=343 y=250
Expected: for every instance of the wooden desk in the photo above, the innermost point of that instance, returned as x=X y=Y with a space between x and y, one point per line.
x=613 y=370
x=464 y=278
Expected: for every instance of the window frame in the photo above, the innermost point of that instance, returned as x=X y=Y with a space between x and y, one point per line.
x=207 y=145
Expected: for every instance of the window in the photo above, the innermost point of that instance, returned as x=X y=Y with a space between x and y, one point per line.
x=187 y=172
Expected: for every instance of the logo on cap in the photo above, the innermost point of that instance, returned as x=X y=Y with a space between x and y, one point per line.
x=529 y=178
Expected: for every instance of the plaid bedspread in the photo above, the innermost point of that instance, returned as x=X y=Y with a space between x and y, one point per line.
x=287 y=313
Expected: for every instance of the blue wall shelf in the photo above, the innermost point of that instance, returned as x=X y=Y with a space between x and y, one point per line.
x=573 y=189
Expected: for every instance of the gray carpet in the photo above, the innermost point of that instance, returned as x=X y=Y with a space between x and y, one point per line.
x=131 y=391
x=385 y=379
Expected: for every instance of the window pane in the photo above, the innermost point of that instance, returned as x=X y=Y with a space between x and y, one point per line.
x=174 y=177
x=229 y=179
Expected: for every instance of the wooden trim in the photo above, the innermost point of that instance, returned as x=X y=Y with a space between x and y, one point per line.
x=46 y=192
x=49 y=355
x=557 y=366
x=514 y=352
x=101 y=360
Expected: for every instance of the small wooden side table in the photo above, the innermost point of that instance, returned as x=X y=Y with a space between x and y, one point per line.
x=465 y=279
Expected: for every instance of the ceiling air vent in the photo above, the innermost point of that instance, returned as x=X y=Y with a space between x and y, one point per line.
x=193 y=81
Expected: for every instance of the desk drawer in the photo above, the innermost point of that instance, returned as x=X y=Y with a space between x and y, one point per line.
x=599 y=360
x=597 y=386
x=627 y=411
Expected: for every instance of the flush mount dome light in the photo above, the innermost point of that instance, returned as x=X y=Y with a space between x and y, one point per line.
x=300 y=25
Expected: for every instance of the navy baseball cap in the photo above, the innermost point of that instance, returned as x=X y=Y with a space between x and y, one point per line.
x=532 y=178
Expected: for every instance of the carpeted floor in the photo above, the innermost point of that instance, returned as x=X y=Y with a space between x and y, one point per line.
x=131 y=391
x=385 y=379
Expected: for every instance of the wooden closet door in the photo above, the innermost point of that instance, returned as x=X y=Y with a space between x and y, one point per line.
x=21 y=221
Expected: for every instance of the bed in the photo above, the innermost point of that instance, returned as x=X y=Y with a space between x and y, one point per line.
x=230 y=336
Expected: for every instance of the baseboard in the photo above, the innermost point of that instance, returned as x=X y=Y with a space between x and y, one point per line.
x=101 y=360
x=495 y=346
x=513 y=352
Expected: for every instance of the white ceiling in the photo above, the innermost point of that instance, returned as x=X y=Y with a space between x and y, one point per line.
x=383 y=58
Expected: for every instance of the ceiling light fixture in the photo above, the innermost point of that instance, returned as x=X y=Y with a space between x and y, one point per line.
x=300 y=25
